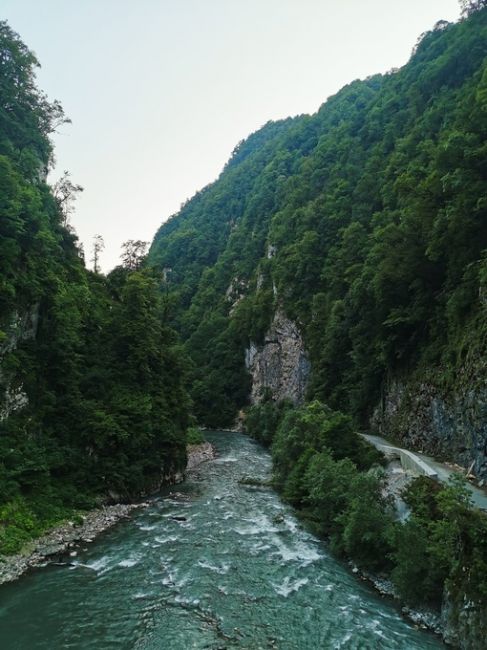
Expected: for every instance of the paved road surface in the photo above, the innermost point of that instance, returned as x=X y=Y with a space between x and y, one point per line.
x=478 y=495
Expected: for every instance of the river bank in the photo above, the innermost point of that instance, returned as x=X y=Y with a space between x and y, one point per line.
x=218 y=563
x=69 y=536
x=397 y=480
x=423 y=617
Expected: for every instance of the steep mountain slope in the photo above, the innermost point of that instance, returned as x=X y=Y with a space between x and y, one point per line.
x=92 y=397
x=363 y=230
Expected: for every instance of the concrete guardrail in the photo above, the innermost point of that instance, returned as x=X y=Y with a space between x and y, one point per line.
x=409 y=461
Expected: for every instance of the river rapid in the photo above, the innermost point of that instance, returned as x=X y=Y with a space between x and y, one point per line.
x=218 y=565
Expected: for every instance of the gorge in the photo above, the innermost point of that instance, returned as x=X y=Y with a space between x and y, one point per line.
x=331 y=281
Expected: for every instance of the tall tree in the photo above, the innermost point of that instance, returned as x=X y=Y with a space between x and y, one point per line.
x=133 y=254
x=98 y=247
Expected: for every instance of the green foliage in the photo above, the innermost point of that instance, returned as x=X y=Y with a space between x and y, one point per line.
x=322 y=467
x=365 y=523
x=194 y=436
x=99 y=372
x=416 y=577
x=315 y=426
x=365 y=222
x=262 y=419
x=22 y=519
x=442 y=543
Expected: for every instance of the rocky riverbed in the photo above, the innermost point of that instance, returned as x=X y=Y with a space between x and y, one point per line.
x=424 y=617
x=62 y=542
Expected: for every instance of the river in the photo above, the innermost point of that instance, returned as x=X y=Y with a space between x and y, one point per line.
x=222 y=566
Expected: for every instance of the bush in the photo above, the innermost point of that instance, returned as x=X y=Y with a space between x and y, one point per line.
x=417 y=577
x=262 y=420
x=365 y=523
x=319 y=463
x=194 y=436
x=444 y=543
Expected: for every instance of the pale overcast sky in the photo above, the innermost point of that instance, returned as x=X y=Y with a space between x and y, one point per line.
x=160 y=91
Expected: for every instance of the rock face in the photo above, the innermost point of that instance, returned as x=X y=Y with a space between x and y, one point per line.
x=280 y=364
x=463 y=622
x=21 y=327
x=444 y=422
x=198 y=454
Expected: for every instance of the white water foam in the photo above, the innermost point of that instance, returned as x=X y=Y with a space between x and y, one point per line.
x=129 y=562
x=288 y=587
x=100 y=566
x=343 y=643
x=260 y=524
x=166 y=540
x=301 y=552
x=222 y=570
x=141 y=595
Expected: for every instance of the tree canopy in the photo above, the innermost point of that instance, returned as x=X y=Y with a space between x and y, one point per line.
x=365 y=222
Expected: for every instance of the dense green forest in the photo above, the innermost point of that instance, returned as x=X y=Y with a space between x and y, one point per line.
x=366 y=222
x=335 y=480
x=92 y=382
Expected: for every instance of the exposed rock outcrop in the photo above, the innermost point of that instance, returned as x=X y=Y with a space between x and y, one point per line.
x=21 y=327
x=280 y=364
x=463 y=622
x=198 y=454
x=448 y=422
x=235 y=292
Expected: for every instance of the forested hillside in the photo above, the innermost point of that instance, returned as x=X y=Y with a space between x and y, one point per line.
x=347 y=251
x=367 y=224
x=92 y=397
x=334 y=277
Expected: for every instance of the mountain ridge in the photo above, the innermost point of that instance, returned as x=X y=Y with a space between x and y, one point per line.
x=372 y=208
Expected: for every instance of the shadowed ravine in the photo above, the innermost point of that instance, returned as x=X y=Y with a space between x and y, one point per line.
x=237 y=572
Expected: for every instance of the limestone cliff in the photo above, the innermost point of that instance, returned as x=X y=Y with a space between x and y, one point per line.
x=280 y=364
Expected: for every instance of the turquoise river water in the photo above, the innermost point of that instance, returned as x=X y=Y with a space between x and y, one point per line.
x=219 y=566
